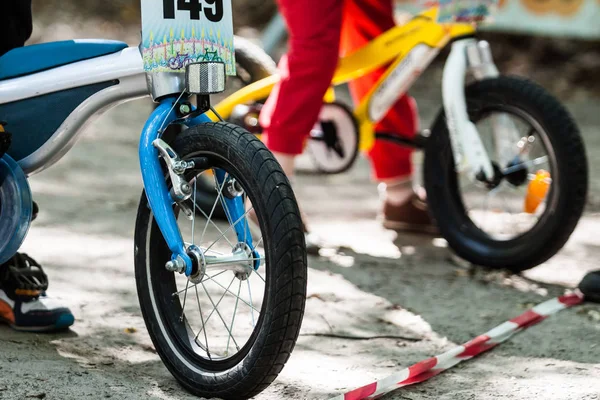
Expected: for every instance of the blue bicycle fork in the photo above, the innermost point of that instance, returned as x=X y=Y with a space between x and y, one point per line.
x=158 y=193
x=235 y=211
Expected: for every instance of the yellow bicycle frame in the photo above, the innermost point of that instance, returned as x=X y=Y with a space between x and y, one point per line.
x=390 y=47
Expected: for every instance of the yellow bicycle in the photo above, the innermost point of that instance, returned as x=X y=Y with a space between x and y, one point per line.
x=505 y=168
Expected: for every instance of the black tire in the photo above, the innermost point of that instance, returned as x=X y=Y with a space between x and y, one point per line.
x=352 y=129
x=253 y=59
x=277 y=328
x=552 y=231
x=253 y=64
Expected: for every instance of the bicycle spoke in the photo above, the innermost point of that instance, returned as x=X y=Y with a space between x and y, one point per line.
x=230 y=227
x=195 y=178
x=233 y=317
x=218 y=302
x=196 y=284
x=194 y=216
x=202 y=319
x=526 y=164
x=220 y=316
x=214 y=205
x=212 y=251
x=259 y=242
x=231 y=293
x=251 y=306
x=221 y=198
x=213 y=223
x=259 y=275
x=229 y=218
x=246 y=228
x=184 y=297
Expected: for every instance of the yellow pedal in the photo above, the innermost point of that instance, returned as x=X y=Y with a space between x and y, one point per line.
x=537 y=191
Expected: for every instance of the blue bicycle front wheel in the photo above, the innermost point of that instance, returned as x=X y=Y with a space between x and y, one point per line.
x=227 y=330
x=15 y=207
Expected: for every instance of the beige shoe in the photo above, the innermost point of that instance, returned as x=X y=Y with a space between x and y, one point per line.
x=411 y=216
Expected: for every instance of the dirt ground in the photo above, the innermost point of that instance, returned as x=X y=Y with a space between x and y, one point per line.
x=376 y=282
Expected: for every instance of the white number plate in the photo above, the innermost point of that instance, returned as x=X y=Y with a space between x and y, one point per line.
x=178 y=32
x=465 y=11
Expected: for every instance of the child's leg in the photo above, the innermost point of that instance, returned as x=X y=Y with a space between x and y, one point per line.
x=365 y=20
x=15 y=24
x=306 y=72
x=23 y=305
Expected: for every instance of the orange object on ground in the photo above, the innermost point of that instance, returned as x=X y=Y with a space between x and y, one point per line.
x=537 y=191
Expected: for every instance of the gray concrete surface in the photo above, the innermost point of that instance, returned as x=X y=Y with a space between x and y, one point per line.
x=376 y=282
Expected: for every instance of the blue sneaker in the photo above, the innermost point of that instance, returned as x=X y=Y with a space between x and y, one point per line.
x=23 y=301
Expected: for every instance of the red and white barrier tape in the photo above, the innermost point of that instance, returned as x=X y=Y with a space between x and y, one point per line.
x=433 y=366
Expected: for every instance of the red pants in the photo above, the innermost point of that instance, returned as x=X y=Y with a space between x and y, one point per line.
x=316 y=35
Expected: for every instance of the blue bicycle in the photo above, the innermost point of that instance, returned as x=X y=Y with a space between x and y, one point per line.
x=180 y=61
x=223 y=300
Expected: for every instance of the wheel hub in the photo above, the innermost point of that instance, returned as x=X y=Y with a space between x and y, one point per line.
x=243 y=274
x=496 y=179
x=519 y=176
x=198 y=264
x=242 y=261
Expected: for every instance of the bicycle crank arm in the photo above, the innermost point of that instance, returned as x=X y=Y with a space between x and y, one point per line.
x=418 y=142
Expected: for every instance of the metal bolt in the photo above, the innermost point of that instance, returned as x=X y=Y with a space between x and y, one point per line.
x=234 y=189
x=179 y=167
x=184 y=109
x=177 y=265
x=171 y=266
x=185 y=188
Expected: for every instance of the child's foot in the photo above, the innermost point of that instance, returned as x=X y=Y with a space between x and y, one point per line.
x=410 y=216
x=23 y=301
